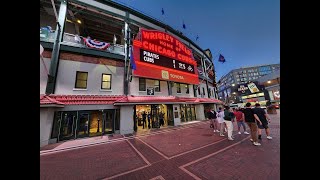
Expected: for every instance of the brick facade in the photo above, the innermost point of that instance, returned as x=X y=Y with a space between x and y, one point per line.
x=86 y=59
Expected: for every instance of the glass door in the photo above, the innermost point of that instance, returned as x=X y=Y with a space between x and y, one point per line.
x=83 y=125
x=95 y=123
x=67 y=126
x=108 y=121
x=170 y=115
x=155 y=115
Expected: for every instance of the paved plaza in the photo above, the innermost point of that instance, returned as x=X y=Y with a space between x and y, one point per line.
x=191 y=151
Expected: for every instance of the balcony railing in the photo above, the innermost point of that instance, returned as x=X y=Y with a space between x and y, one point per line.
x=73 y=40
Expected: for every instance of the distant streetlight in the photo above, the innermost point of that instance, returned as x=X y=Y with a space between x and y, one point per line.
x=269 y=82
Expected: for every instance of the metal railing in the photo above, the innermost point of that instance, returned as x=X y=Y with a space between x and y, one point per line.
x=71 y=40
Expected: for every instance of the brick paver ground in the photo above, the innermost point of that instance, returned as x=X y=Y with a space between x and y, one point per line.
x=158 y=155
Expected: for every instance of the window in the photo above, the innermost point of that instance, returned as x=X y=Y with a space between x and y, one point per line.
x=156 y=85
x=204 y=93
x=187 y=89
x=199 y=90
x=178 y=87
x=81 y=80
x=106 y=81
x=142 y=84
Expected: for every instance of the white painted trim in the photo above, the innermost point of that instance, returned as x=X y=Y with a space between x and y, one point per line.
x=77 y=89
x=106 y=90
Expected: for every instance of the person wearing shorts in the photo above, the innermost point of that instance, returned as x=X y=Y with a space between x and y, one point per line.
x=220 y=116
x=260 y=114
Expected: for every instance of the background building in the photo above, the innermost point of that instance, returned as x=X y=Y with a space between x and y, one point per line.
x=271 y=82
x=99 y=73
x=228 y=85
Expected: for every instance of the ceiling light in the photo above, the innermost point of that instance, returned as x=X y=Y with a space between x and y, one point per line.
x=78 y=21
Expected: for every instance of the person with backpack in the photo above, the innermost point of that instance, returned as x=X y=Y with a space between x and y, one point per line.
x=228 y=118
x=251 y=121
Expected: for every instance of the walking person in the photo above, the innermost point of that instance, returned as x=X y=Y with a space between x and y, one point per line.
x=144 y=116
x=250 y=120
x=260 y=114
x=220 y=116
x=240 y=121
x=212 y=115
x=228 y=120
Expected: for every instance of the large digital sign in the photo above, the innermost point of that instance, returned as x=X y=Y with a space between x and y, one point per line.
x=159 y=55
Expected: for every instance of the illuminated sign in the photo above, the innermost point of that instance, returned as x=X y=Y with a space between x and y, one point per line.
x=253 y=88
x=276 y=94
x=242 y=88
x=153 y=58
x=159 y=55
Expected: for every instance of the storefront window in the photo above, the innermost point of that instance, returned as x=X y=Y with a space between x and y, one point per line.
x=156 y=85
x=56 y=125
x=178 y=85
x=95 y=127
x=187 y=88
x=142 y=84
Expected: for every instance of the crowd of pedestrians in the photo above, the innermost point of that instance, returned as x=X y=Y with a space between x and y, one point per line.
x=256 y=119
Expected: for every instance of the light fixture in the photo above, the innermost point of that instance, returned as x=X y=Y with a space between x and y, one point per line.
x=233 y=84
x=78 y=21
x=269 y=82
x=234 y=93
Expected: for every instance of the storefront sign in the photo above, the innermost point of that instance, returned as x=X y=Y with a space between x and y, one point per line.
x=242 y=88
x=276 y=95
x=249 y=88
x=253 y=88
x=159 y=55
x=150 y=91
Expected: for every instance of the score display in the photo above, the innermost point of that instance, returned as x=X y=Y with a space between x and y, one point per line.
x=159 y=60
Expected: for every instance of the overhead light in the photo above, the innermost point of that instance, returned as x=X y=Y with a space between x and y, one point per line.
x=269 y=82
x=78 y=21
x=233 y=84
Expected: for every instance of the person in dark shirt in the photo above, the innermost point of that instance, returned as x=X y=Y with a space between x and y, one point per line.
x=250 y=120
x=261 y=115
x=144 y=116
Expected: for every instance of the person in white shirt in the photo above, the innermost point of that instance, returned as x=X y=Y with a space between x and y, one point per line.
x=220 y=120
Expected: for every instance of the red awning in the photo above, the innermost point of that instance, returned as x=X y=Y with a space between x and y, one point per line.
x=87 y=99
x=164 y=100
x=46 y=101
x=60 y=100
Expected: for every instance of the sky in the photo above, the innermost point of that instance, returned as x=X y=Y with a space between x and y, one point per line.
x=245 y=32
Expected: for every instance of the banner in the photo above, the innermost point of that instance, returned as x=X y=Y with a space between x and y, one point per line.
x=96 y=44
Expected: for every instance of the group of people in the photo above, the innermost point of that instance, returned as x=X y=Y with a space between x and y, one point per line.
x=256 y=119
x=155 y=124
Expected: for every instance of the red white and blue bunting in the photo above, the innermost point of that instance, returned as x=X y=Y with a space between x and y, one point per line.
x=96 y=44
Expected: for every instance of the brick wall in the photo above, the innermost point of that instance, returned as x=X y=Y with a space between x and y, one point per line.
x=83 y=58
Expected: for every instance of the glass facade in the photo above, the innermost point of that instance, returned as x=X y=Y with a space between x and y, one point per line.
x=78 y=124
x=187 y=112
